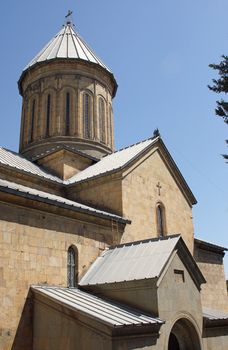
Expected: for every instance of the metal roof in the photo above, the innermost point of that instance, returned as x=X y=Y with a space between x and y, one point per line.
x=214 y=315
x=132 y=261
x=112 y=161
x=66 y=44
x=209 y=246
x=106 y=311
x=15 y=160
x=53 y=199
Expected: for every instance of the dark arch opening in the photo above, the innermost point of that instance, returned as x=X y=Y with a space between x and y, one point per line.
x=184 y=336
x=173 y=343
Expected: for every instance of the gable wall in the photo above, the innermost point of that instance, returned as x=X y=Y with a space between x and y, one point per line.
x=64 y=164
x=33 y=248
x=140 y=196
x=178 y=298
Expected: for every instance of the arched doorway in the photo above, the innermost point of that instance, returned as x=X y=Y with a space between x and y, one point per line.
x=183 y=336
x=173 y=342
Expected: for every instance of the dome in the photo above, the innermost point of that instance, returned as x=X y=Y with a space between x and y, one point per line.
x=67 y=43
x=67 y=99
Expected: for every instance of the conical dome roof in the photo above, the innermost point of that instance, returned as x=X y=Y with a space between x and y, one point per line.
x=66 y=44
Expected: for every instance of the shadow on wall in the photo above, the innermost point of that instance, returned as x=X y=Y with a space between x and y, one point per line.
x=24 y=334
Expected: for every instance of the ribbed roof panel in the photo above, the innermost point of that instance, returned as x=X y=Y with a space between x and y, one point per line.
x=106 y=311
x=66 y=44
x=131 y=261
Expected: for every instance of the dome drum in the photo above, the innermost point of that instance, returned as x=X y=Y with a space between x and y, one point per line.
x=62 y=105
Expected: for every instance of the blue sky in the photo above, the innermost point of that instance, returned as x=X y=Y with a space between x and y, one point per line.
x=159 y=52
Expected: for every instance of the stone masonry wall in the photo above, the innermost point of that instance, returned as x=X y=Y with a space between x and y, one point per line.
x=141 y=195
x=33 y=249
x=214 y=292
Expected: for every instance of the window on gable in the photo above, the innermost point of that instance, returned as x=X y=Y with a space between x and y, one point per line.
x=160 y=214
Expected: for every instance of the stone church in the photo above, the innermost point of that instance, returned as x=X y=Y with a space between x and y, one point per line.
x=97 y=247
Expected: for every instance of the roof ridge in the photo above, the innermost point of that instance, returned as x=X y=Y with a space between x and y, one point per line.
x=152 y=239
x=132 y=145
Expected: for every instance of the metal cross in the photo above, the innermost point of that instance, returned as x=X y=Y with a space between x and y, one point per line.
x=69 y=17
x=159 y=188
x=69 y=13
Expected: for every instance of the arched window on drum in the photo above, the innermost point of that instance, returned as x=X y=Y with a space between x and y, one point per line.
x=87 y=114
x=72 y=267
x=101 y=119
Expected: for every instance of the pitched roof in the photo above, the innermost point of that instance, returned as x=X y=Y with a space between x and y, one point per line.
x=214 y=318
x=140 y=260
x=131 y=261
x=212 y=314
x=17 y=161
x=55 y=149
x=66 y=44
x=107 y=165
x=209 y=246
x=31 y=193
x=113 y=161
x=108 y=312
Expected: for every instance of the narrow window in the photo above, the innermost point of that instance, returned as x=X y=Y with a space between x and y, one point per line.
x=23 y=135
x=102 y=119
x=48 y=115
x=110 y=123
x=160 y=220
x=72 y=267
x=67 y=113
x=33 y=119
x=86 y=114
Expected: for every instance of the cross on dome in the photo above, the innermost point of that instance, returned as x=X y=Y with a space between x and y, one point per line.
x=69 y=17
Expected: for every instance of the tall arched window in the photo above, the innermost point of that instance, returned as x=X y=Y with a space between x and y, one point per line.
x=48 y=112
x=110 y=124
x=33 y=111
x=67 y=113
x=102 y=119
x=86 y=114
x=72 y=267
x=160 y=214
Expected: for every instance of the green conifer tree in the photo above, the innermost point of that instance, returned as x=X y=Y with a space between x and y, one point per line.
x=221 y=86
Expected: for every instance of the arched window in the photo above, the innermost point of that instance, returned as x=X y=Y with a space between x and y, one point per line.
x=72 y=267
x=160 y=214
x=86 y=114
x=33 y=111
x=48 y=112
x=102 y=119
x=110 y=124
x=67 y=113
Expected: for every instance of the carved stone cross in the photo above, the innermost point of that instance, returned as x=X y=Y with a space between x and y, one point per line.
x=159 y=188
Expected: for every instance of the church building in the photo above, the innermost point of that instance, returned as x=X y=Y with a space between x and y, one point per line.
x=97 y=246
